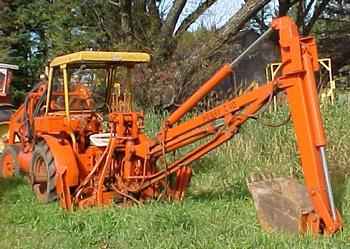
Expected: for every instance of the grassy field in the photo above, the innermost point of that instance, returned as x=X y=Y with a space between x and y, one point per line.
x=217 y=213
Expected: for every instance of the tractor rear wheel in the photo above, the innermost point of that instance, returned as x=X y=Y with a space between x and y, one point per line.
x=4 y=126
x=43 y=173
x=9 y=164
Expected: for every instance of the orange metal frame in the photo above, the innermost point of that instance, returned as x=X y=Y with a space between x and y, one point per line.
x=126 y=170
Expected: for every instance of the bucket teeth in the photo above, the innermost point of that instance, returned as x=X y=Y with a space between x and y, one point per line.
x=258 y=177
x=254 y=178
x=267 y=177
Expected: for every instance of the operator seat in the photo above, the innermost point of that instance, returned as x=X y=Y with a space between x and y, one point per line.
x=80 y=98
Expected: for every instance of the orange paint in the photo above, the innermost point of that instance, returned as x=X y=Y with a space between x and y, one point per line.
x=131 y=167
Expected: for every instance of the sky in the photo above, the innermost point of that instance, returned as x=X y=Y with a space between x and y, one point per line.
x=217 y=15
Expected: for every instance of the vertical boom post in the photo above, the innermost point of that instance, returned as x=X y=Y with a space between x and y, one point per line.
x=299 y=61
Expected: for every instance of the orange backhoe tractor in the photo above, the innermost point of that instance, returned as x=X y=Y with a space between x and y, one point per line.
x=6 y=108
x=80 y=141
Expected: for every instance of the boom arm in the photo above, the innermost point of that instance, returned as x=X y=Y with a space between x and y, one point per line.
x=299 y=60
x=125 y=169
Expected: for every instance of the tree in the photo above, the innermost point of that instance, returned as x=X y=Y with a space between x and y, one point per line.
x=32 y=32
x=205 y=58
x=35 y=31
x=328 y=20
x=332 y=31
x=150 y=24
x=21 y=41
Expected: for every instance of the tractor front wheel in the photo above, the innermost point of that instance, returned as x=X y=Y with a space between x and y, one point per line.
x=43 y=173
x=8 y=164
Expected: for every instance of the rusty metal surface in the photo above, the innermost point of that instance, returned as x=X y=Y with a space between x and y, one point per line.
x=280 y=202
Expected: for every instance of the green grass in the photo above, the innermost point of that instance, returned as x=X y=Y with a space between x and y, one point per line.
x=217 y=213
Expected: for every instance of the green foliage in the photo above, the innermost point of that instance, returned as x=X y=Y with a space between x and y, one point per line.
x=190 y=40
x=35 y=31
x=331 y=30
x=69 y=29
x=217 y=213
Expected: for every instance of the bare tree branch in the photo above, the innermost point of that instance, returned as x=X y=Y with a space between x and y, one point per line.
x=238 y=20
x=201 y=56
x=152 y=8
x=117 y=4
x=285 y=5
x=173 y=17
x=154 y=13
x=125 y=14
x=309 y=5
x=301 y=14
x=317 y=12
x=189 y=20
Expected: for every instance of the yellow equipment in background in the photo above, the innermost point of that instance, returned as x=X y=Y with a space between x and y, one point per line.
x=327 y=95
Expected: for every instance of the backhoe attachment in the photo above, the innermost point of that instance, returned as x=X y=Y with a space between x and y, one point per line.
x=282 y=203
x=79 y=140
x=285 y=204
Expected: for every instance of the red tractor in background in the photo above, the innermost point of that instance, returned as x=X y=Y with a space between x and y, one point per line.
x=6 y=107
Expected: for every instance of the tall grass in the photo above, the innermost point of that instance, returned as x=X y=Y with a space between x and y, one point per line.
x=217 y=213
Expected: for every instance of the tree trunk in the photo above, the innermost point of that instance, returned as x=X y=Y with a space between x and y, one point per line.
x=320 y=7
x=283 y=7
x=202 y=57
x=167 y=42
x=125 y=19
x=238 y=20
x=176 y=78
x=190 y=19
x=173 y=17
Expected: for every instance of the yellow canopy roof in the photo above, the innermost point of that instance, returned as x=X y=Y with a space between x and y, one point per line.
x=99 y=56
